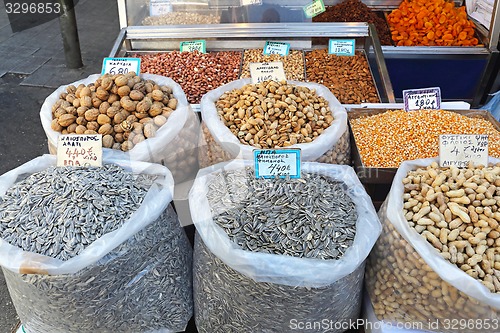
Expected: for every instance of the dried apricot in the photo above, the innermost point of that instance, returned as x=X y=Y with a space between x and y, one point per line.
x=431 y=22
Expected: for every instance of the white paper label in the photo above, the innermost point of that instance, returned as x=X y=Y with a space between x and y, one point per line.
x=251 y=2
x=418 y=99
x=460 y=149
x=157 y=8
x=266 y=71
x=272 y=163
x=121 y=66
x=79 y=150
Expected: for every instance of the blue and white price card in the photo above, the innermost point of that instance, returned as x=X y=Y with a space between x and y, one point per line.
x=194 y=45
x=418 y=99
x=283 y=49
x=121 y=66
x=342 y=47
x=459 y=150
x=281 y=163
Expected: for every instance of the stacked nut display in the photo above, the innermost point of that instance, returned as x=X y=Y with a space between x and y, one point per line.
x=125 y=109
x=457 y=211
x=174 y=18
x=197 y=73
x=348 y=78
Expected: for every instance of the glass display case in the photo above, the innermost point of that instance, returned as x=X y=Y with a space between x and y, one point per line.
x=462 y=72
x=140 y=40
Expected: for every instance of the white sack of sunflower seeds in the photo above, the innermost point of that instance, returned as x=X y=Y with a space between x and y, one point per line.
x=272 y=255
x=88 y=250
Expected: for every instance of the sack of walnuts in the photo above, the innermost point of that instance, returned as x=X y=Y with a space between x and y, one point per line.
x=146 y=117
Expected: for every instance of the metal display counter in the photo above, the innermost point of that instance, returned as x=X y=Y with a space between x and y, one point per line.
x=462 y=72
x=240 y=36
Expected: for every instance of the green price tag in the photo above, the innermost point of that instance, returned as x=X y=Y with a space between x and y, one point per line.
x=194 y=45
x=314 y=8
x=283 y=49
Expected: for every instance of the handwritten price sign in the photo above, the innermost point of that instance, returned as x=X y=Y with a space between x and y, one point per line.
x=418 y=99
x=342 y=47
x=272 y=163
x=314 y=8
x=121 y=66
x=267 y=71
x=79 y=150
x=460 y=149
x=276 y=48
x=160 y=7
x=194 y=45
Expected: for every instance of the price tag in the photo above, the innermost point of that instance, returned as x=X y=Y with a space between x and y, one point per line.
x=194 y=45
x=417 y=99
x=314 y=8
x=121 y=65
x=280 y=48
x=251 y=2
x=272 y=163
x=79 y=150
x=342 y=47
x=266 y=71
x=160 y=7
x=460 y=149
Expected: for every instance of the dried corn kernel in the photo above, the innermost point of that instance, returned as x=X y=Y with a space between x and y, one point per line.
x=386 y=139
x=432 y=23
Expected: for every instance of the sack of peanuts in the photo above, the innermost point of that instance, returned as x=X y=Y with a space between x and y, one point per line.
x=145 y=118
x=273 y=254
x=239 y=117
x=437 y=262
x=96 y=249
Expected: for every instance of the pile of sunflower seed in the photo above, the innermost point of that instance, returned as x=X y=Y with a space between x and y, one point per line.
x=311 y=217
x=57 y=212
x=230 y=302
x=143 y=285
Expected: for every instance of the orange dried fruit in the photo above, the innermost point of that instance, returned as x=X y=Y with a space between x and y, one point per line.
x=431 y=22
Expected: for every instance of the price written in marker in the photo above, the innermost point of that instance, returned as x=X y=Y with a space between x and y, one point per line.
x=460 y=149
x=342 y=47
x=280 y=48
x=418 y=99
x=251 y=2
x=194 y=45
x=79 y=150
x=314 y=8
x=267 y=71
x=160 y=7
x=121 y=66
x=272 y=163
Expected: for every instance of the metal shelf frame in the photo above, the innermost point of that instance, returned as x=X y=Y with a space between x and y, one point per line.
x=239 y=36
